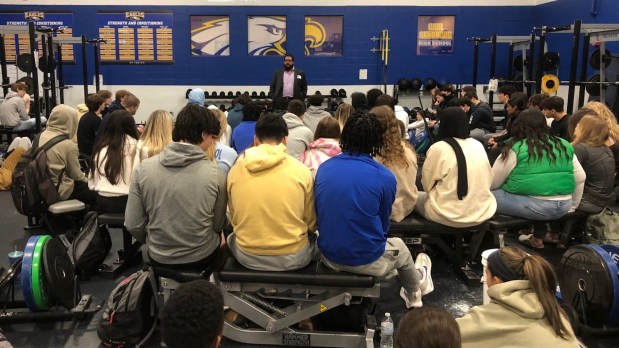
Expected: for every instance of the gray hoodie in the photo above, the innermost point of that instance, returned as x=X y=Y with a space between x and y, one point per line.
x=12 y=110
x=313 y=115
x=177 y=204
x=299 y=136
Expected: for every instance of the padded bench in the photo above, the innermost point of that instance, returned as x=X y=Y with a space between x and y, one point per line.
x=129 y=249
x=312 y=290
x=170 y=278
x=415 y=229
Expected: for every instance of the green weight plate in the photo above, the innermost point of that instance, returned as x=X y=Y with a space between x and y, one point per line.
x=38 y=284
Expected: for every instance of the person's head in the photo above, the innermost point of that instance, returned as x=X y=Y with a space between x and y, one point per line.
x=342 y=113
x=271 y=129
x=465 y=104
x=95 y=102
x=20 y=88
x=121 y=94
x=510 y=263
x=106 y=95
x=63 y=119
x=531 y=128
x=428 y=327
x=359 y=100
x=552 y=107
x=454 y=123
x=467 y=89
x=223 y=121
x=604 y=112
x=392 y=151
x=251 y=112
x=243 y=99
x=131 y=103
x=447 y=89
x=516 y=103
x=196 y=125
x=120 y=125
x=537 y=99
x=196 y=96
x=315 y=99
x=387 y=100
x=371 y=96
x=591 y=130
x=193 y=316
x=505 y=92
x=472 y=95
x=362 y=135
x=157 y=132
x=288 y=61
x=328 y=128
x=297 y=107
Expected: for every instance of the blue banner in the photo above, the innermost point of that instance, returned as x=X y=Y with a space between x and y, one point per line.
x=136 y=37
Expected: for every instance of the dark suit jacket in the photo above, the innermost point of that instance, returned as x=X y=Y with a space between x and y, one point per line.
x=300 y=84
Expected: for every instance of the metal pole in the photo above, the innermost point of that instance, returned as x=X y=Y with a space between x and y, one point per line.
x=492 y=69
x=583 y=70
x=96 y=49
x=35 y=76
x=530 y=60
x=5 y=75
x=510 y=67
x=602 y=74
x=540 y=61
x=61 y=85
x=52 y=72
x=573 y=66
x=475 y=62
x=46 y=83
x=84 y=67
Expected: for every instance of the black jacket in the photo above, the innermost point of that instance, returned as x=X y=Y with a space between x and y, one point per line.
x=277 y=84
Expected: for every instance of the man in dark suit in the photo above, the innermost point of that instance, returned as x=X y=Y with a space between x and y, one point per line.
x=288 y=82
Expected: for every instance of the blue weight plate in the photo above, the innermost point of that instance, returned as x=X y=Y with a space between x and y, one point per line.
x=26 y=273
x=59 y=274
x=610 y=254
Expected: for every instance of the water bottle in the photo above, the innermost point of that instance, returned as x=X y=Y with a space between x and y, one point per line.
x=386 y=332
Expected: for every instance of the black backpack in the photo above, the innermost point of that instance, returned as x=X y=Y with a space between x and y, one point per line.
x=131 y=312
x=90 y=246
x=33 y=189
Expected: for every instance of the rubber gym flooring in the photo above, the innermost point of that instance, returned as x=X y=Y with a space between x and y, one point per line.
x=450 y=293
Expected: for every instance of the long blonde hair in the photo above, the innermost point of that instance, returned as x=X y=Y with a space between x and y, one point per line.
x=604 y=112
x=342 y=114
x=223 y=122
x=158 y=132
x=392 y=152
x=591 y=130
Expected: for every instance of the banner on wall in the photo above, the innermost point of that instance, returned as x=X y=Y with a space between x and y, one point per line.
x=323 y=35
x=266 y=35
x=136 y=37
x=16 y=44
x=435 y=35
x=210 y=35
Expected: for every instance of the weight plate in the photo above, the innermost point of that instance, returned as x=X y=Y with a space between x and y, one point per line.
x=7 y=278
x=551 y=61
x=39 y=291
x=611 y=256
x=26 y=274
x=594 y=89
x=518 y=63
x=59 y=274
x=586 y=282
x=25 y=63
x=550 y=84
x=595 y=58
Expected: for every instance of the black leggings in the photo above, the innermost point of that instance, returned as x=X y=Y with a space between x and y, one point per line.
x=111 y=204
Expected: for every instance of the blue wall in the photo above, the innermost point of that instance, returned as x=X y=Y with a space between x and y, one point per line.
x=360 y=24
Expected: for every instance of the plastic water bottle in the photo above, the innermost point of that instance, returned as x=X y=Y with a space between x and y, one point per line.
x=386 y=332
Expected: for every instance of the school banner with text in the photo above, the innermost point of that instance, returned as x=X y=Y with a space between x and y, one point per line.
x=435 y=35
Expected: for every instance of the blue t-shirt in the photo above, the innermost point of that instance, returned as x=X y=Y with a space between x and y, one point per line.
x=354 y=195
x=225 y=156
x=243 y=136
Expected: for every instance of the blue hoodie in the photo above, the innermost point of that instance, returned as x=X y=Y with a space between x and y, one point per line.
x=196 y=96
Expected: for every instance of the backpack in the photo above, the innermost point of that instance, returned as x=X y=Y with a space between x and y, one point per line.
x=90 y=246
x=603 y=227
x=33 y=189
x=131 y=312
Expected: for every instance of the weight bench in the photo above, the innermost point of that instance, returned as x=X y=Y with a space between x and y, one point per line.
x=501 y=224
x=169 y=279
x=130 y=247
x=9 y=133
x=416 y=230
x=312 y=290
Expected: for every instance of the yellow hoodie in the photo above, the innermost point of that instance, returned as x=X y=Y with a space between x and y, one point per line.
x=271 y=201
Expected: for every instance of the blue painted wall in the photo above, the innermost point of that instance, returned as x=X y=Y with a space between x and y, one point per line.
x=360 y=24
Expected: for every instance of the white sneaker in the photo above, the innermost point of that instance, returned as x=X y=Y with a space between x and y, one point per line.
x=415 y=303
x=424 y=265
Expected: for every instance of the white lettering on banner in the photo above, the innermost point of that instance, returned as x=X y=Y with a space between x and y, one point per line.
x=288 y=3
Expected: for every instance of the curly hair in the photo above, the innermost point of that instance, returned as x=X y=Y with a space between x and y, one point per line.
x=533 y=130
x=604 y=112
x=392 y=152
x=362 y=134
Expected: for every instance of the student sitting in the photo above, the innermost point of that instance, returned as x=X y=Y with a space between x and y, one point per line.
x=224 y=154
x=16 y=150
x=342 y=114
x=315 y=112
x=299 y=135
x=523 y=310
x=243 y=134
x=326 y=144
x=156 y=135
x=88 y=124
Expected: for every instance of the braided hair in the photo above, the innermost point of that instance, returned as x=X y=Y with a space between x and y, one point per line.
x=362 y=134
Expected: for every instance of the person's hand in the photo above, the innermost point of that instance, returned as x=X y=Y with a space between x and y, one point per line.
x=140 y=128
x=431 y=124
x=492 y=142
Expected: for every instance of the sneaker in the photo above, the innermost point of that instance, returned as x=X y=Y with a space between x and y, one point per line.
x=424 y=265
x=416 y=300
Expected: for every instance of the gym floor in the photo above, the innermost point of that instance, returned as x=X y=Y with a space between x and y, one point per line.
x=450 y=293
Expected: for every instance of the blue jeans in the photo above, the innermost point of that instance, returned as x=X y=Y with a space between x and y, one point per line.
x=28 y=124
x=531 y=208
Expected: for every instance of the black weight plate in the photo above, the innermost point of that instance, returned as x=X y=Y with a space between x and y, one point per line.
x=586 y=283
x=28 y=81
x=26 y=274
x=594 y=60
x=551 y=61
x=25 y=63
x=342 y=93
x=518 y=63
x=59 y=273
x=45 y=65
x=594 y=89
x=8 y=277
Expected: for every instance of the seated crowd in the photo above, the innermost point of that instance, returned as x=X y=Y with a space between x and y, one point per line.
x=301 y=186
